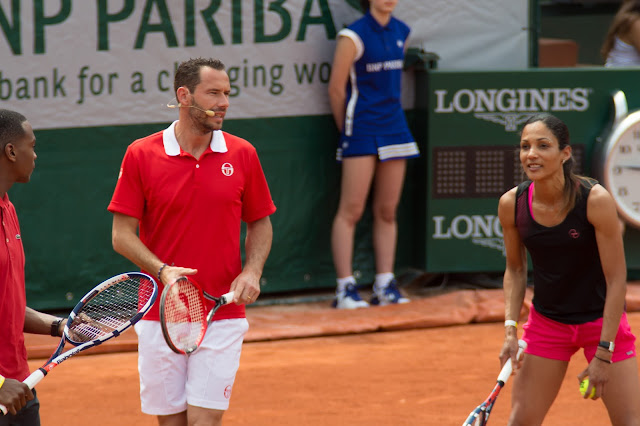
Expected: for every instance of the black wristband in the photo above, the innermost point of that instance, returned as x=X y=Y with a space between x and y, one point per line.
x=603 y=360
x=55 y=327
x=160 y=271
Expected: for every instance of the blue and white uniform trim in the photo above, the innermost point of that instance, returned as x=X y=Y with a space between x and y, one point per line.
x=353 y=79
x=385 y=147
x=403 y=150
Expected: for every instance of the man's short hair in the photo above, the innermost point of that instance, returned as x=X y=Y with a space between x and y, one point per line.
x=10 y=126
x=188 y=72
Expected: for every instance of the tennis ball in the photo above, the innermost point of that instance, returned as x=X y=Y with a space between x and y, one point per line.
x=584 y=385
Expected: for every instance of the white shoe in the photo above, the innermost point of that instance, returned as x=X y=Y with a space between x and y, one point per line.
x=388 y=295
x=349 y=298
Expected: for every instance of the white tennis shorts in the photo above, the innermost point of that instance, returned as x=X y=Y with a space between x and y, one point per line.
x=169 y=381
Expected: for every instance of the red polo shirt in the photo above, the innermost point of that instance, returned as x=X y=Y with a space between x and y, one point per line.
x=13 y=300
x=190 y=210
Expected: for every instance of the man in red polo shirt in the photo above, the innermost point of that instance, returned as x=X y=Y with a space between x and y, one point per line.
x=181 y=196
x=17 y=161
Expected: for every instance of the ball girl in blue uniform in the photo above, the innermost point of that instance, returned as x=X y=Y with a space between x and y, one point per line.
x=569 y=226
x=375 y=142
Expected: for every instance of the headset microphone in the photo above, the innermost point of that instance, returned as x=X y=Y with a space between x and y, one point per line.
x=206 y=111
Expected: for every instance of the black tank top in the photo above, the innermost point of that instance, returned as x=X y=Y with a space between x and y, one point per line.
x=569 y=285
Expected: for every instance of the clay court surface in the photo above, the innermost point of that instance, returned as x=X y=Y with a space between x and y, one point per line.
x=429 y=362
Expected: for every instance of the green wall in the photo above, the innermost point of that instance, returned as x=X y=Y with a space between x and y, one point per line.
x=66 y=228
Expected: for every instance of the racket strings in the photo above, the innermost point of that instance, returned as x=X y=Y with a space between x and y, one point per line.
x=185 y=315
x=110 y=309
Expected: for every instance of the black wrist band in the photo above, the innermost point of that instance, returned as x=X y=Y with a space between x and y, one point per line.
x=603 y=360
x=55 y=327
x=160 y=271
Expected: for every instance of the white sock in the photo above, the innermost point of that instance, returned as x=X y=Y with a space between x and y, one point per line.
x=343 y=282
x=383 y=279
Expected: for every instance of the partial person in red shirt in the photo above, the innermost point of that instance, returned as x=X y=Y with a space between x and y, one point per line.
x=17 y=162
x=178 y=205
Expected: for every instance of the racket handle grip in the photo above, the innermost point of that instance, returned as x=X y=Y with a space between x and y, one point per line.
x=227 y=298
x=30 y=381
x=34 y=378
x=506 y=371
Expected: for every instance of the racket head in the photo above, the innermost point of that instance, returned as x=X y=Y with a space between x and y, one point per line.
x=110 y=308
x=183 y=315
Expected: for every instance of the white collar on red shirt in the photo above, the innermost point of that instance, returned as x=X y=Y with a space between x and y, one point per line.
x=171 y=146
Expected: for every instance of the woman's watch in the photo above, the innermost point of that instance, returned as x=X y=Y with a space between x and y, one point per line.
x=610 y=346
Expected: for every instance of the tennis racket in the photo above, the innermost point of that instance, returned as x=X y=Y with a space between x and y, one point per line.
x=480 y=416
x=105 y=312
x=183 y=314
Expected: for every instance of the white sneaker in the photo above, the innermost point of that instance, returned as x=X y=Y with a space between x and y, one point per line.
x=349 y=298
x=388 y=295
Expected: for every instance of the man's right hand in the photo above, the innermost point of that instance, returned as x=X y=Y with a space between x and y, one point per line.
x=14 y=395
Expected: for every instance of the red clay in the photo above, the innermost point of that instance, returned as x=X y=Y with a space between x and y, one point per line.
x=432 y=376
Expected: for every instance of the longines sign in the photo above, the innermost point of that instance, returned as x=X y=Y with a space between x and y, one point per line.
x=511 y=107
x=481 y=230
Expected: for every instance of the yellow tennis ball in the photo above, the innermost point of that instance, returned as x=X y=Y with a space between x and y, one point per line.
x=584 y=385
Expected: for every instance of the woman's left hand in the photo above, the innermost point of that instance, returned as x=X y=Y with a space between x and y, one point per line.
x=598 y=372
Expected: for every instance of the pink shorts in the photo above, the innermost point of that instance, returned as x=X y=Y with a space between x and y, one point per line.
x=554 y=340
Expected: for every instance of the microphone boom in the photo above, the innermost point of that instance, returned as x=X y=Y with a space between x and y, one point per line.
x=209 y=112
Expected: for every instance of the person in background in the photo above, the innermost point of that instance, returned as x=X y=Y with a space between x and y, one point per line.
x=621 y=47
x=375 y=142
x=568 y=225
x=17 y=162
x=178 y=205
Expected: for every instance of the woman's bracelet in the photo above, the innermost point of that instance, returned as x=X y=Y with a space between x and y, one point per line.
x=608 y=361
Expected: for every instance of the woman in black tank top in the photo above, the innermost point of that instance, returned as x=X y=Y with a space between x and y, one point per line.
x=568 y=225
